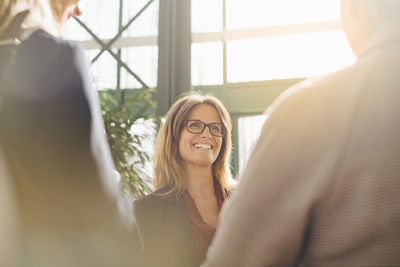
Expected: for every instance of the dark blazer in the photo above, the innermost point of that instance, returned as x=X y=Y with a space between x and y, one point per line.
x=57 y=155
x=165 y=230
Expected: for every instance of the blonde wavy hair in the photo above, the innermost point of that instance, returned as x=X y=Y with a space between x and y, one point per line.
x=168 y=167
x=43 y=14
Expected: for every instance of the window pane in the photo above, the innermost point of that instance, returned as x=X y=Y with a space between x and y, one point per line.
x=100 y=16
x=104 y=70
x=207 y=63
x=291 y=56
x=74 y=31
x=147 y=22
x=249 y=130
x=143 y=61
x=206 y=15
x=262 y=13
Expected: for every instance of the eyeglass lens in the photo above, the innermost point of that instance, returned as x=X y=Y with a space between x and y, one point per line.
x=196 y=126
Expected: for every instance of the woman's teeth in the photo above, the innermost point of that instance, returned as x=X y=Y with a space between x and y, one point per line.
x=202 y=146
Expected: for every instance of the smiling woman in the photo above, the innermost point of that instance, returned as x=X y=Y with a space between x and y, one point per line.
x=177 y=222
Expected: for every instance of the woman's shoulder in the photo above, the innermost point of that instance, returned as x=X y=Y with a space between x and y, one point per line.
x=161 y=194
x=44 y=47
x=149 y=207
x=40 y=40
x=45 y=37
x=49 y=66
x=57 y=58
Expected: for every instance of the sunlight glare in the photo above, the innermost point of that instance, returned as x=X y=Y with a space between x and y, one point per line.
x=291 y=56
x=265 y=13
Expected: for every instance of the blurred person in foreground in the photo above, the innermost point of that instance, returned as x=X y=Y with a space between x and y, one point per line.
x=176 y=223
x=9 y=224
x=321 y=187
x=53 y=140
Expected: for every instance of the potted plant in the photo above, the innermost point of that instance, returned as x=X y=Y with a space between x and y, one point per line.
x=131 y=125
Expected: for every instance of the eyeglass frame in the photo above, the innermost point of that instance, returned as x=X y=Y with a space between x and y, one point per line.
x=204 y=127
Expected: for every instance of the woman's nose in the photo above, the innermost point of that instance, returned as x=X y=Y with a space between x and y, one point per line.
x=206 y=132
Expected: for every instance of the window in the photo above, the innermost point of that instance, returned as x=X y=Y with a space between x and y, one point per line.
x=249 y=130
x=135 y=47
x=248 y=52
x=287 y=56
x=207 y=66
x=265 y=40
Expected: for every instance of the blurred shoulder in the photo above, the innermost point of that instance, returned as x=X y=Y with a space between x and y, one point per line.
x=44 y=66
x=322 y=93
x=44 y=38
x=42 y=47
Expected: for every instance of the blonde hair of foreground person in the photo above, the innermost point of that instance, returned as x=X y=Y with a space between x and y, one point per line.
x=44 y=14
x=168 y=167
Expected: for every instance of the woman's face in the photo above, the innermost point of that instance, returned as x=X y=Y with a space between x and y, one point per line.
x=200 y=149
x=64 y=9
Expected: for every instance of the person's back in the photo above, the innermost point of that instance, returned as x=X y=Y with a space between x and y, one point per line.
x=357 y=220
x=48 y=125
x=321 y=187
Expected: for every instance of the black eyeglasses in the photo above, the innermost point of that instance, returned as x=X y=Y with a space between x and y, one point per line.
x=196 y=127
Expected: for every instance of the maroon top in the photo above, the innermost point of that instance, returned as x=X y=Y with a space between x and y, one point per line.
x=203 y=233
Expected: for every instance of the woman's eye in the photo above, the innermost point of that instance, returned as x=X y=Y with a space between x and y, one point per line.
x=195 y=125
x=215 y=128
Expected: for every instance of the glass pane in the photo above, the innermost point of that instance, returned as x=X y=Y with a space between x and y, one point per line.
x=147 y=22
x=206 y=15
x=93 y=12
x=249 y=130
x=262 y=13
x=104 y=70
x=74 y=31
x=289 y=56
x=143 y=61
x=207 y=64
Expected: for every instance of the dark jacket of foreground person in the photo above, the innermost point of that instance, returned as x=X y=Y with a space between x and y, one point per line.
x=53 y=141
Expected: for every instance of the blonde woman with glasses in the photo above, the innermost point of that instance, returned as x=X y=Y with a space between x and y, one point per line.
x=177 y=222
